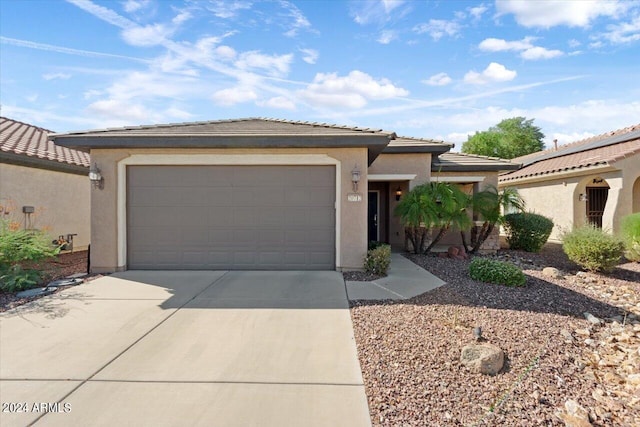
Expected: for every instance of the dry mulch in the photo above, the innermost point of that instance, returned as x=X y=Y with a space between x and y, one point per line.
x=410 y=350
x=58 y=267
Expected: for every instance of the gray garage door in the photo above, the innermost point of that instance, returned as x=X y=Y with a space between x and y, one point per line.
x=231 y=217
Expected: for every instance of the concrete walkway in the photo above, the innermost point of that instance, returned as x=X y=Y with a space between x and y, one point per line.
x=405 y=280
x=186 y=348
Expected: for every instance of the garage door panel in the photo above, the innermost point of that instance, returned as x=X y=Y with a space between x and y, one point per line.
x=231 y=217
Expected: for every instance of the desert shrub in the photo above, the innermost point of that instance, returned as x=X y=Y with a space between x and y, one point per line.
x=498 y=272
x=16 y=247
x=527 y=231
x=592 y=248
x=630 y=231
x=378 y=260
x=375 y=244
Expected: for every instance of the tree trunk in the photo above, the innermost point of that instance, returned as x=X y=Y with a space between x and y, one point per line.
x=441 y=233
x=486 y=230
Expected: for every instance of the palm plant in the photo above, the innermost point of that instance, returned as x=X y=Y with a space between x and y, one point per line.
x=490 y=204
x=428 y=206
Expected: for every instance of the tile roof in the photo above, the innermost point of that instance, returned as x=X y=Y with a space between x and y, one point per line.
x=405 y=144
x=598 y=150
x=471 y=162
x=253 y=126
x=32 y=141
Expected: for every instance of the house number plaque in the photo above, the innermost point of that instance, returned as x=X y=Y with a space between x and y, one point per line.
x=354 y=197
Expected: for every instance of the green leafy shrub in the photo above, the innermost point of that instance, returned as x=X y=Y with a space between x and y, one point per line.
x=16 y=247
x=592 y=248
x=375 y=244
x=527 y=231
x=630 y=227
x=498 y=272
x=378 y=260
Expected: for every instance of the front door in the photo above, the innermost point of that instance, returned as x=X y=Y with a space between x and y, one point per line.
x=374 y=208
x=596 y=201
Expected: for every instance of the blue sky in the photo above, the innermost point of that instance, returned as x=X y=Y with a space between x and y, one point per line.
x=431 y=69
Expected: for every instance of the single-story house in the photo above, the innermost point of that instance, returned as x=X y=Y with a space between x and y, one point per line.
x=255 y=193
x=595 y=180
x=42 y=185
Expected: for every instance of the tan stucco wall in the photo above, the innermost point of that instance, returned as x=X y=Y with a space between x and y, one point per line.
x=61 y=200
x=353 y=219
x=416 y=163
x=558 y=198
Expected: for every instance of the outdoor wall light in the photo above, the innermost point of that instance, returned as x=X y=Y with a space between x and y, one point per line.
x=583 y=197
x=95 y=177
x=355 y=177
x=398 y=194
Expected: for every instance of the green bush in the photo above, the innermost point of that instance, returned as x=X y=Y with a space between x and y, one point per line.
x=378 y=260
x=17 y=246
x=527 y=231
x=373 y=244
x=630 y=227
x=592 y=248
x=498 y=272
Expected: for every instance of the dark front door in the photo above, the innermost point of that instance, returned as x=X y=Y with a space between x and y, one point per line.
x=374 y=202
x=596 y=201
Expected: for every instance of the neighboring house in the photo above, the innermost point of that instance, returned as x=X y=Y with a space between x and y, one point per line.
x=256 y=193
x=595 y=180
x=42 y=185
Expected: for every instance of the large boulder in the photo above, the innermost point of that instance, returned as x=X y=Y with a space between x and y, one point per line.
x=483 y=358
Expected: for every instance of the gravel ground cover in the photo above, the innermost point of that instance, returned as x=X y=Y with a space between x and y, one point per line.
x=410 y=350
x=58 y=267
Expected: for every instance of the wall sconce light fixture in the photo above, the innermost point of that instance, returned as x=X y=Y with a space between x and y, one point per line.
x=355 y=177
x=96 y=177
x=583 y=197
x=398 y=194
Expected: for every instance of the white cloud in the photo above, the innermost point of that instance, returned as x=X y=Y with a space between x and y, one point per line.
x=550 y=13
x=150 y=35
x=387 y=36
x=437 y=28
x=310 y=56
x=375 y=11
x=275 y=65
x=566 y=138
x=227 y=9
x=538 y=52
x=573 y=43
x=299 y=21
x=624 y=32
x=440 y=79
x=478 y=11
x=527 y=49
x=351 y=91
x=225 y=53
x=178 y=113
x=32 y=98
x=493 y=73
x=135 y=5
x=54 y=76
x=278 y=102
x=234 y=95
x=126 y=111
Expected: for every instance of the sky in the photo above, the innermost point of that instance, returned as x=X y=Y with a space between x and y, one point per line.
x=429 y=69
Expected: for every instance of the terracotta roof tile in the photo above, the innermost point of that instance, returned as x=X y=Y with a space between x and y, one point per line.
x=21 y=138
x=598 y=150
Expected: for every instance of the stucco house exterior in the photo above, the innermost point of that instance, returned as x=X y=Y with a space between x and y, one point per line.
x=595 y=180
x=255 y=193
x=42 y=185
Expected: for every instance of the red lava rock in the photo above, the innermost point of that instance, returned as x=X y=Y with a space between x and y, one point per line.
x=452 y=251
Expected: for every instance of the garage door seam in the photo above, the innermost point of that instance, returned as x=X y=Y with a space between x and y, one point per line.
x=131 y=346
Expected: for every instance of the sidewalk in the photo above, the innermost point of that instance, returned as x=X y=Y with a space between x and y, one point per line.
x=405 y=280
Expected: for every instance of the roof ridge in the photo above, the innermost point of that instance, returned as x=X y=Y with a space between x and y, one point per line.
x=440 y=141
x=480 y=156
x=27 y=124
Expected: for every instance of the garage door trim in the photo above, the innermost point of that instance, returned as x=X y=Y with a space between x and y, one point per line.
x=217 y=160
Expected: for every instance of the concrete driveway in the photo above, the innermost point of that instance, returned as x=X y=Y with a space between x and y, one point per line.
x=185 y=348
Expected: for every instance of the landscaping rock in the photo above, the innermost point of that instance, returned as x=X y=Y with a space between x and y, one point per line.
x=35 y=292
x=552 y=272
x=482 y=358
x=592 y=319
x=574 y=415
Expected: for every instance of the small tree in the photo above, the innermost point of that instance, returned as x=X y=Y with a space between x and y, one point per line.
x=490 y=204
x=510 y=138
x=416 y=210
